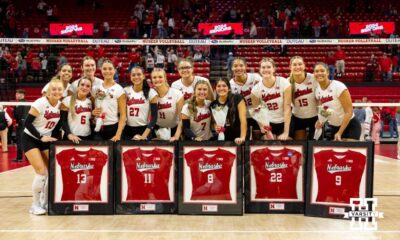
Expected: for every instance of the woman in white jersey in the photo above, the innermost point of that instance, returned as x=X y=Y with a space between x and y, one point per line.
x=76 y=113
x=88 y=66
x=65 y=74
x=187 y=81
x=305 y=104
x=139 y=107
x=170 y=103
x=335 y=101
x=242 y=83
x=113 y=105
x=275 y=94
x=196 y=113
x=42 y=121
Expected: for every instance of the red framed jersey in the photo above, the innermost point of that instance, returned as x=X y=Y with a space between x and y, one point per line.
x=148 y=174
x=81 y=173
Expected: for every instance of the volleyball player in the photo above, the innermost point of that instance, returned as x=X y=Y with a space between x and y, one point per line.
x=41 y=123
x=170 y=103
x=242 y=83
x=335 y=99
x=139 y=107
x=304 y=102
x=65 y=75
x=76 y=113
x=235 y=128
x=88 y=66
x=196 y=114
x=275 y=93
x=187 y=81
x=113 y=105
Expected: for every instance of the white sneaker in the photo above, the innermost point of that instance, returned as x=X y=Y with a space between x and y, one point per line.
x=36 y=210
x=45 y=206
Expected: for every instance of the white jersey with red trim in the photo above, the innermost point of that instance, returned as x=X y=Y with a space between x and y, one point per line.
x=47 y=119
x=201 y=124
x=272 y=98
x=79 y=124
x=187 y=91
x=305 y=103
x=329 y=99
x=245 y=89
x=97 y=82
x=107 y=99
x=168 y=117
x=137 y=108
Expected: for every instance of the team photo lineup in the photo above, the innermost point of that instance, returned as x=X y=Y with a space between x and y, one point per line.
x=250 y=106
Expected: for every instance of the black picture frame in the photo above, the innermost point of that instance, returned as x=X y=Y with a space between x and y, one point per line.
x=334 y=209
x=297 y=149
x=124 y=206
x=58 y=206
x=187 y=205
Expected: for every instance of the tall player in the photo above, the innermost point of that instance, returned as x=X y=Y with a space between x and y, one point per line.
x=65 y=75
x=187 y=81
x=275 y=93
x=88 y=66
x=170 y=103
x=42 y=121
x=113 y=104
x=196 y=114
x=242 y=83
x=76 y=112
x=139 y=107
x=335 y=99
x=305 y=109
x=235 y=128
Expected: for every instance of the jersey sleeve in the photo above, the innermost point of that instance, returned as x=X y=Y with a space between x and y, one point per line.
x=66 y=101
x=175 y=84
x=339 y=88
x=119 y=91
x=178 y=95
x=152 y=93
x=74 y=86
x=191 y=157
x=101 y=157
x=185 y=110
x=257 y=78
x=230 y=157
x=39 y=104
x=318 y=157
x=256 y=91
x=284 y=83
x=254 y=157
x=61 y=157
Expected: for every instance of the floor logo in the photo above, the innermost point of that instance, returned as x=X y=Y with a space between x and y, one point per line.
x=363 y=214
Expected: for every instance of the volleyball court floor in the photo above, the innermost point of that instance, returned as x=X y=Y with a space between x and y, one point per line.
x=17 y=223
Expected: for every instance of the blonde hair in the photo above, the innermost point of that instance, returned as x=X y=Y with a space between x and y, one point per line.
x=192 y=101
x=268 y=59
x=54 y=80
x=163 y=72
x=291 y=78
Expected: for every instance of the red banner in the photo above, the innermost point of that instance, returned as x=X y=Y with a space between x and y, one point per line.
x=220 y=28
x=367 y=27
x=67 y=29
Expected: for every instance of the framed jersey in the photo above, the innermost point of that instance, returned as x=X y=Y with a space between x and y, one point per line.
x=145 y=177
x=81 y=178
x=274 y=176
x=337 y=172
x=210 y=182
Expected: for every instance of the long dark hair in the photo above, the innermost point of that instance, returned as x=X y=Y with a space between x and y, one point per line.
x=145 y=86
x=229 y=102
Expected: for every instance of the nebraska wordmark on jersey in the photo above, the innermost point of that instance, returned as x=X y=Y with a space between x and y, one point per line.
x=79 y=124
x=272 y=98
x=245 y=89
x=47 y=119
x=168 y=117
x=137 y=107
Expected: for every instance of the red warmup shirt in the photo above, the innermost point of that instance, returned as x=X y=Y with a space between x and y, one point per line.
x=210 y=173
x=386 y=64
x=339 y=175
x=134 y=57
x=148 y=173
x=340 y=55
x=276 y=172
x=81 y=174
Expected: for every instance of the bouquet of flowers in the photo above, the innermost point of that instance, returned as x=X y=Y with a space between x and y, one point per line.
x=261 y=115
x=220 y=113
x=163 y=133
x=323 y=113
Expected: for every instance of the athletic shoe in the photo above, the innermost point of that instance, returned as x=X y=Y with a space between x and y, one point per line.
x=36 y=210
